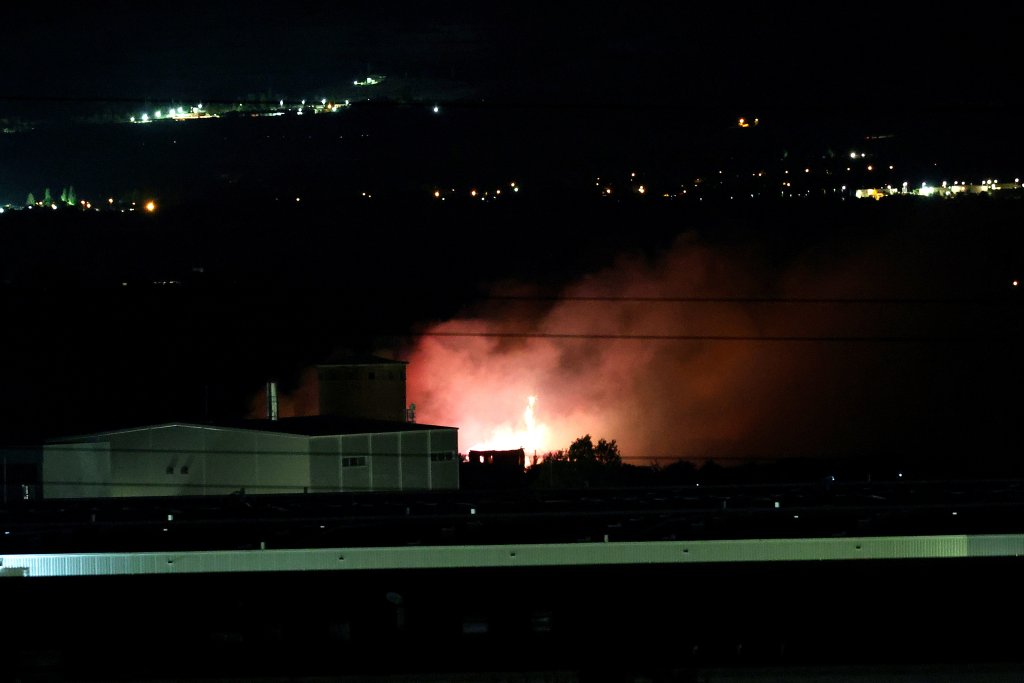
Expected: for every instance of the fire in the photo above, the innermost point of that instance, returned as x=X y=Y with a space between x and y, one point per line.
x=530 y=435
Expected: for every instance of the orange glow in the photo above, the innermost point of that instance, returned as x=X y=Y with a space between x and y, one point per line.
x=151 y=206
x=526 y=433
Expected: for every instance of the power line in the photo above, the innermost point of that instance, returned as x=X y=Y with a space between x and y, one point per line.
x=722 y=337
x=750 y=300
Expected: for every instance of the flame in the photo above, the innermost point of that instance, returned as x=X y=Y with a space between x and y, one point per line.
x=530 y=435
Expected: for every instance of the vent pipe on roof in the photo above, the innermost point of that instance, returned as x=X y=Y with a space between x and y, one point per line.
x=271 y=400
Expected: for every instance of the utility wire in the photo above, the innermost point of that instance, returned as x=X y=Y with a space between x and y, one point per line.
x=750 y=299
x=723 y=337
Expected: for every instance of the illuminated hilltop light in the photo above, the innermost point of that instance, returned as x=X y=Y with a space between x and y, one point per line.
x=370 y=80
x=150 y=206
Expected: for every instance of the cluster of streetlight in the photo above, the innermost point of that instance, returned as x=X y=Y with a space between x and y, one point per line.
x=174 y=113
x=482 y=195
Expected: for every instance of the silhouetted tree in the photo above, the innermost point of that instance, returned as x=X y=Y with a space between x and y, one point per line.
x=72 y=197
x=47 y=197
x=31 y=201
x=64 y=195
x=582 y=464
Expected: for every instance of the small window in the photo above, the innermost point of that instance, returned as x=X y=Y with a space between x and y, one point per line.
x=170 y=469
x=184 y=469
x=355 y=461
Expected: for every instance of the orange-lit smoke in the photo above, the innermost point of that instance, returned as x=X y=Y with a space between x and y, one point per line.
x=709 y=397
x=657 y=397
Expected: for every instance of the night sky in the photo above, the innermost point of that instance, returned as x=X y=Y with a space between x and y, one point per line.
x=766 y=55
x=528 y=92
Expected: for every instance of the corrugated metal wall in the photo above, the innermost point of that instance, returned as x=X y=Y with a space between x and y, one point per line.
x=175 y=460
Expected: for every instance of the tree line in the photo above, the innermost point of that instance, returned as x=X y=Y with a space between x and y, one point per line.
x=67 y=196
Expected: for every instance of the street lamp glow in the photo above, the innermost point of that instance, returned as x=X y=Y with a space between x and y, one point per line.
x=145 y=118
x=436 y=109
x=151 y=206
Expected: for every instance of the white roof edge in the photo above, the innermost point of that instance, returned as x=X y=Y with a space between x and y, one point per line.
x=165 y=425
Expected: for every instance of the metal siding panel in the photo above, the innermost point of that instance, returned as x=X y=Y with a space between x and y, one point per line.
x=230 y=461
x=324 y=464
x=358 y=478
x=415 y=447
x=282 y=463
x=386 y=454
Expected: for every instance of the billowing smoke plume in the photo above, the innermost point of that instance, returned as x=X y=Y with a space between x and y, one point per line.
x=732 y=379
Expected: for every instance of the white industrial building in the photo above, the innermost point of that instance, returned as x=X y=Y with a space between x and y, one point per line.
x=292 y=455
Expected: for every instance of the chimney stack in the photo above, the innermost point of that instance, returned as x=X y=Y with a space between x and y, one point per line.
x=271 y=400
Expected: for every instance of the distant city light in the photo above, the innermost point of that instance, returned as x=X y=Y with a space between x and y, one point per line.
x=159 y=114
x=437 y=109
x=853 y=155
x=132 y=119
x=151 y=206
x=437 y=193
x=281 y=103
x=110 y=200
x=870 y=167
x=323 y=102
x=642 y=189
x=472 y=193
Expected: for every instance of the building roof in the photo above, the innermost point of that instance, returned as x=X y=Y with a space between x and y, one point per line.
x=350 y=358
x=332 y=425
x=316 y=425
